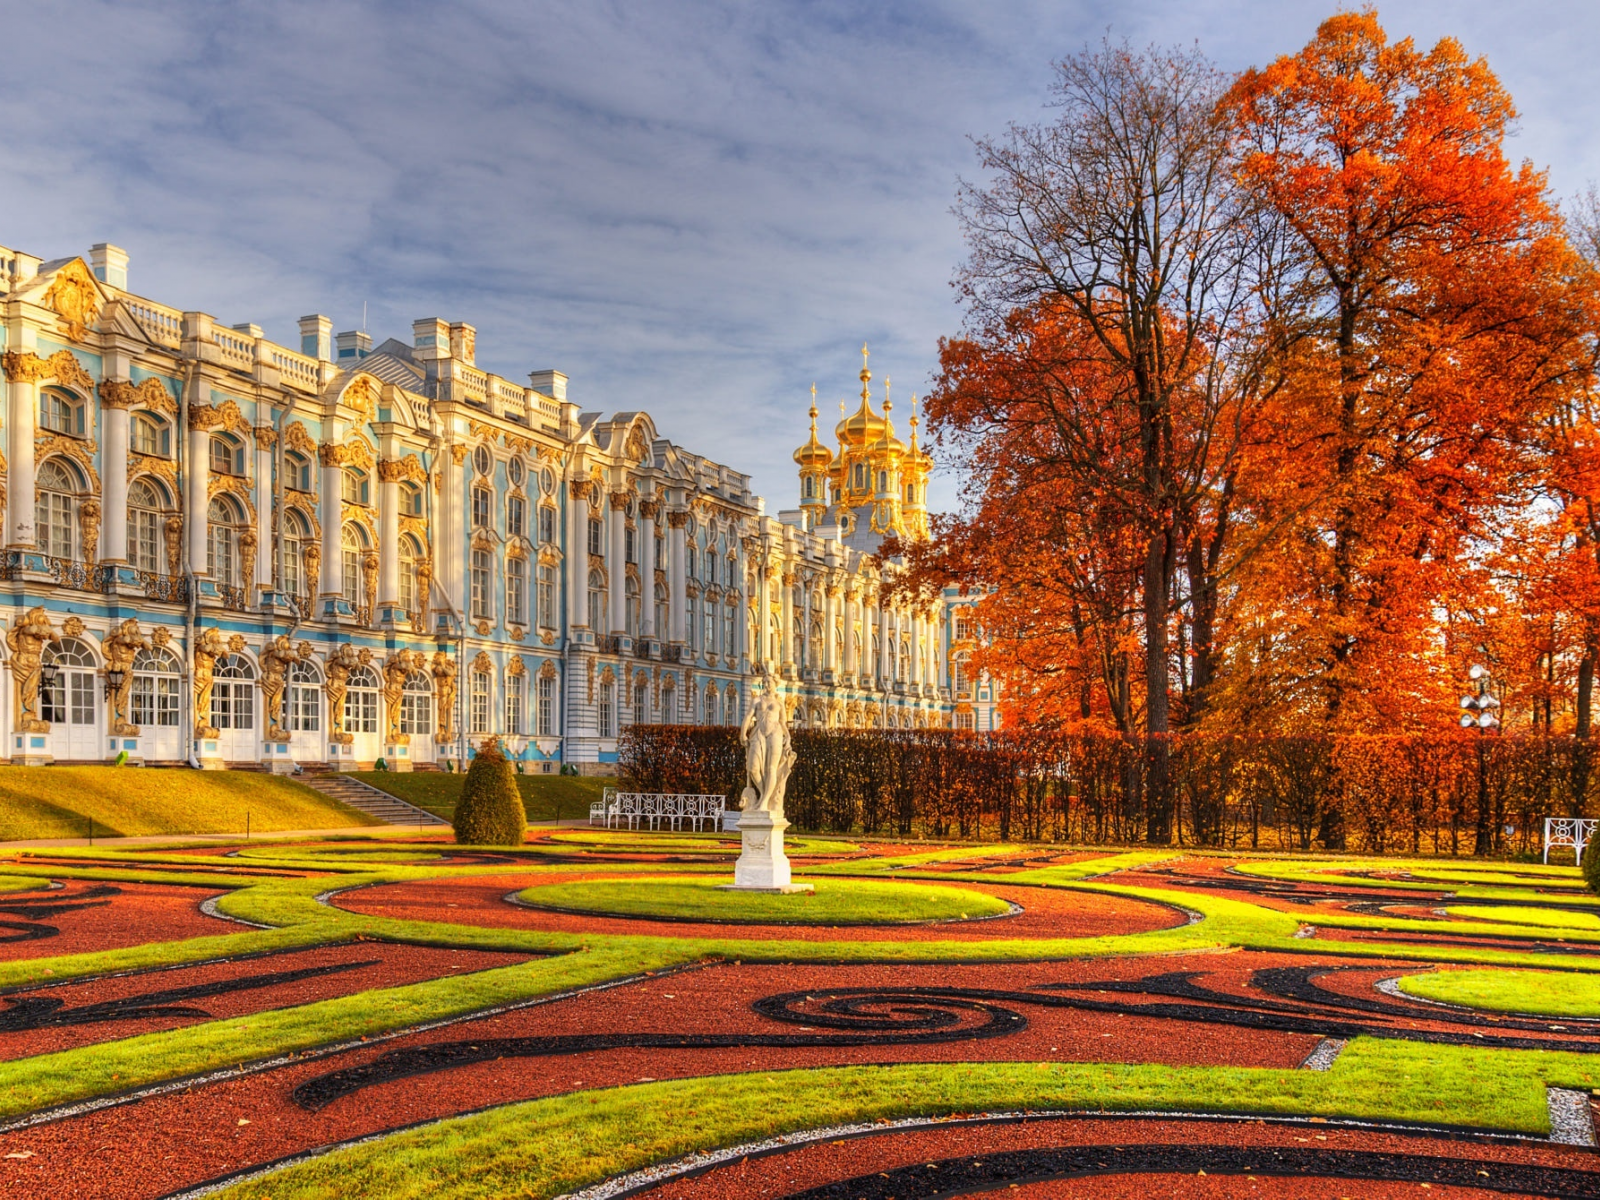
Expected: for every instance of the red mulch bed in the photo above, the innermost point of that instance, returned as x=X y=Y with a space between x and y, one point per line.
x=138 y=913
x=1047 y=913
x=774 y=1176
x=184 y=1138
x=395 y=965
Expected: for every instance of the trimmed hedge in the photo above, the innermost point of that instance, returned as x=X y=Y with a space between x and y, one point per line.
x=1453 y=792
x=490 y=811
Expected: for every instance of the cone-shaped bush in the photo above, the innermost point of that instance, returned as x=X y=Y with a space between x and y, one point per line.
x=490 y=811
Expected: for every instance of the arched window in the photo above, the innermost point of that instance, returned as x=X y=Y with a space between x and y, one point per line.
x=157 y=688
x=838 y=647
x=814 y=645
x=355 y=486
x=547 y=706
x=305 y=698
x=516 y=703
x=607 y=714
x=361 y=701
x=298 y=468
x=352 y=549
x=224 y=522
x=147 y=505
x=416 y=705
x=71 y=699
x=517 y=591
x=61 y=412
x=859 y=480
x=233 y=697
x=903 y=674
x=661 y=610
x=410 y=592
x=811 y=487
x=151 y=435
x=410 y=500
x=641 y=703
x=597 y=602
x=296 y=537
x=877 y=655
x=479 y=708
x=482 y=503
x=630 y=588
x=55 y=508
x=227 y=454
x=547 y=596
x=482 y=581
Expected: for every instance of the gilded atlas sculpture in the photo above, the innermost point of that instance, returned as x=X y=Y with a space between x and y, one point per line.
x=120 y=647
x=26 y=640
x=769 y=757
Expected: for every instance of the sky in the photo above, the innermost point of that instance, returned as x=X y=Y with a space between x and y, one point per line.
x=690 y=207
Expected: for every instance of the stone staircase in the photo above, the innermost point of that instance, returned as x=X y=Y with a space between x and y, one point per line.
x=368 y=799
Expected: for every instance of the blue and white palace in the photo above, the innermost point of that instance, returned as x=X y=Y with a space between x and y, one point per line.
x=223 y=550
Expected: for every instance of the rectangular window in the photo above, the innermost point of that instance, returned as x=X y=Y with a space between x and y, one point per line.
x=416 y=713
x=361 y=710
x=547 y=706
x=711 y=630
x=547 y=525
x=547 y=597
x=233 y=706
x=605 y=714
x=514 y=685
x=480 y=584
x=144 y=540
x=641 y=704
x=628 y=550
x=517 y=592
x=305 y=708
x=480 y=508
x=516 y=517
x=480 y=702
x=155 y=700
x=594 y=537
x=728 y=646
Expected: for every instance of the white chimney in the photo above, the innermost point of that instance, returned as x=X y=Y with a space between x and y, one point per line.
x=551 y=383
x=110 y=264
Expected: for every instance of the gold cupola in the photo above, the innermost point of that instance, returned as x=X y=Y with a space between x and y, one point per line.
x=865 y=426
x=814 y=459
x=914 y=471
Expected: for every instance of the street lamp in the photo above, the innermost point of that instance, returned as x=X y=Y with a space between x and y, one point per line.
x=1477 y=708
x=114 y=680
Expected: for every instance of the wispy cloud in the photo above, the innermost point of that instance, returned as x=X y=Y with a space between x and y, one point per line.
x=694 y=208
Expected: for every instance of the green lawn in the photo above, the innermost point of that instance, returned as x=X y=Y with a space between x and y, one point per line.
x=546 y=797
x=835 y=901
x=1543 y=993
x=59 y=802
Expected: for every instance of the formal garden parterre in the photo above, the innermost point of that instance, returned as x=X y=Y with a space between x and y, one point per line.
x=404 y=1016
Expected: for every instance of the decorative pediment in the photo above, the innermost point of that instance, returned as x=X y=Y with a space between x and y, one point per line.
x=306 y=505
x=162 y=468
x=226 y=415
x=234 y=485
x=516 y=667
x=357 y=453
x=296 y=438
x=361 y=395
x=397 y=470
x=75 y=296
x=151 y=394
x=483 y=664
x=79 y=451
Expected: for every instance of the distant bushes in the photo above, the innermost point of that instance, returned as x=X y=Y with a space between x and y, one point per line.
x=1446 y=793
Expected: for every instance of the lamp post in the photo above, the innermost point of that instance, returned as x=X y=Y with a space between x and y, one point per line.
x=114 y=679
x=1477 y=712
x=49 y=676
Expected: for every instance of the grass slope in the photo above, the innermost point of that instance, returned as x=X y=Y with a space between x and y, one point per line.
x=546 y=797
x=58 y=802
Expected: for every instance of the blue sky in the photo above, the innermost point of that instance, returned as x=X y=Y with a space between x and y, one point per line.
x=694 y=208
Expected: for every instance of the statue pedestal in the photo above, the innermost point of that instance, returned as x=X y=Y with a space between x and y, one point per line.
x=762 y=865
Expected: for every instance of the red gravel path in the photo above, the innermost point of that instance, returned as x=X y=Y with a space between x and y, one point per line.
x=394 y=965
x=138 y=913
x=187 y=1137
x=1047 y=913
x=773 y=1176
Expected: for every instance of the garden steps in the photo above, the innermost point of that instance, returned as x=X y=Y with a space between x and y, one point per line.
x=368 y=799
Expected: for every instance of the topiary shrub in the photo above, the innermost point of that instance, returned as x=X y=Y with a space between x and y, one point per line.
x=490 y=811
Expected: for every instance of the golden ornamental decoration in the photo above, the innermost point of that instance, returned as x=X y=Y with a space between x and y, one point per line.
x=227 y=415
x=358 y=395
x=234 y=485
x=296 y=438
x=331 y=454
x=266 y=437
x=480 y=429
x=306 y=504
x=151 y=394
x=458 y=453
x=518 y=445
x=357 y=453
x=79 y=451
x=401 y=470
x=483 y=664
x=75 y=296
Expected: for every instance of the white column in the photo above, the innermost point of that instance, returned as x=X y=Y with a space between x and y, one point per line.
x=578 y=555
x=388 y=534
x=676 y=580
x=802 y=652
x=199 y=476
x=786 y=622
x=333 y=524
x=917 y=650
x=647 y=571
x=617 y=564
x=265 y=438
x=850 y=665
x=114 y=484
x=22 y=409
x=762 y=651
x=451 y=570
x=830 y=612
x=885 y=666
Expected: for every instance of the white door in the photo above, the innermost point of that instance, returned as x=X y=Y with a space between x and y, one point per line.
x=233 y=709
x=157 y=699
x=362 y=716
x=69 y=703
x=304 y=714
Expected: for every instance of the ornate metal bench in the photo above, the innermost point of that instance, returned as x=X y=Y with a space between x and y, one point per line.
x=633 y=809
x=1568 y=831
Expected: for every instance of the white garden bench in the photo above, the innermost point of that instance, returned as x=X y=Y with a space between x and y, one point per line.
x=1568 y=831
x=616 y=809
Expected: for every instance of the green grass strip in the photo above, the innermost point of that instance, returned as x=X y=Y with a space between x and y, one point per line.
x=543 y=1148
x=1537 y=993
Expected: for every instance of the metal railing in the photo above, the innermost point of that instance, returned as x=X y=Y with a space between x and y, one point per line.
x=1576 y=832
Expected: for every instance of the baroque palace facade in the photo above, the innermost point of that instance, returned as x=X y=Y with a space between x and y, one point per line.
x=223 y=550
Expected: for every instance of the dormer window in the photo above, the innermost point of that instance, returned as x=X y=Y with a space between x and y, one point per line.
x=227 y=455
x=356 y=487
x=152 y=435
x=298 y=468
x=61 y=412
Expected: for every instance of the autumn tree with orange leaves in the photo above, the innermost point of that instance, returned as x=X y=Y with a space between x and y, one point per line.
x=1272 y=401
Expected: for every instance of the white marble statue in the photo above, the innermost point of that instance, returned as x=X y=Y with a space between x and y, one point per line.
x=769 y=756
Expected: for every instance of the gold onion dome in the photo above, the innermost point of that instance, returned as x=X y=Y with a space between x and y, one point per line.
x=865 y=426
x=813 y=453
